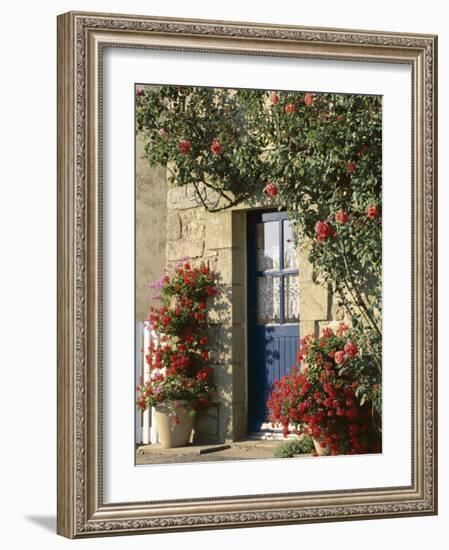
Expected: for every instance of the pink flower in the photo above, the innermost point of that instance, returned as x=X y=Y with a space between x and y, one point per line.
x=139 y=92
x=323 y=230
x=340 y=357
x=351 y=349
x=274 y=98
x=270 y=189
x=341 y=217
x=184 y=146
x=216 y=147
x=290 y=108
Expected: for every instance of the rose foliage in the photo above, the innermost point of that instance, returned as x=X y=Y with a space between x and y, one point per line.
x=318 y=156
x=332 y=397
x=179 y=365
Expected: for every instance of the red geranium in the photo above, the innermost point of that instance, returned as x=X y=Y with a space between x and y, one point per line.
x=178 y=365
x=321 y=400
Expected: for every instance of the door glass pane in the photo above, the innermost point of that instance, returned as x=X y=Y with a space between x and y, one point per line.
x=268 y=300
x=291 y=299
x=267 y=246
x=290 y=252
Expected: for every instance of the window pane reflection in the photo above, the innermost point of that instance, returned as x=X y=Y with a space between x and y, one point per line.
x=290 y=251
x=267 y=246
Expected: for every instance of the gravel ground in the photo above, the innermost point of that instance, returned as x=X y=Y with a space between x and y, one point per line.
x=241 y=450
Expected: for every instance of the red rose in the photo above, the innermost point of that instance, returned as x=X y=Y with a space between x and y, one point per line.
x=203 y=340
x=184 y=146
x=340 y=357
x=351 y=167
x=216 y=147
x=270 y=190
x=308 y=99
x=210 y=290
x=351 y=349
x=372 y=212
x=274 y=98
x=363 y=149
x=323 y=230
x=290 y=108
x=341 y=217
x=205 y=355
x=204 y=269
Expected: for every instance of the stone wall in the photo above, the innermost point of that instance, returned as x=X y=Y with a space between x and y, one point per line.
x=179 y=229
x=151 y=223
x=218 y=239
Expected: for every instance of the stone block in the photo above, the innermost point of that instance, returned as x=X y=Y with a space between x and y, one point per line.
x=227 y=307
x=206 y=425
x=239 y=420
x=239 y=230
x=192 y=225
x=182 y=249
x=173 y=226
x=307 y=327
x=218 y=232
x=224 y=266
x=306 y=271
x=239 y=384
x=238 y=266
x=314 y=302
x=181 y=198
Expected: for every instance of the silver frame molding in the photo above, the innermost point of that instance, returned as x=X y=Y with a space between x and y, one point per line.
x=81 y=38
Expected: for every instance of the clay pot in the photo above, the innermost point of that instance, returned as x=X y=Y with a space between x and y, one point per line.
x=321 y=451
x=170 y=434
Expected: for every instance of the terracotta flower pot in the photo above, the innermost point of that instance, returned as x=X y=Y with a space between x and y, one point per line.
x=321 y=451
x=170 y=434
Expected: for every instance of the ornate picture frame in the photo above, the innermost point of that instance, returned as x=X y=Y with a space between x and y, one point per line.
x=82 y=38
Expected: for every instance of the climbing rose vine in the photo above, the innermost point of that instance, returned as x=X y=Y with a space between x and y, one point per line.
x=180 y=368
x=316 y=155
x=332 y=395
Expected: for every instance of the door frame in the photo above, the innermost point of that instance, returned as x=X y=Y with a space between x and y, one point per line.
x=252 y=218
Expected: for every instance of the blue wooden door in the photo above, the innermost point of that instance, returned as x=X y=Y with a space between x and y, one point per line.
x=273 y=308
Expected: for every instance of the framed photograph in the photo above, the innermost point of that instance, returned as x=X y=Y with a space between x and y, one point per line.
x=246 y=274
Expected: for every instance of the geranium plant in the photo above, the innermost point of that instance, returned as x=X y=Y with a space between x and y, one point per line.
x=180 y=371
x=332 y=394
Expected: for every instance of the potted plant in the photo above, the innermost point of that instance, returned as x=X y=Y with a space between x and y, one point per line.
x=181 y=379
x=335 y=395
